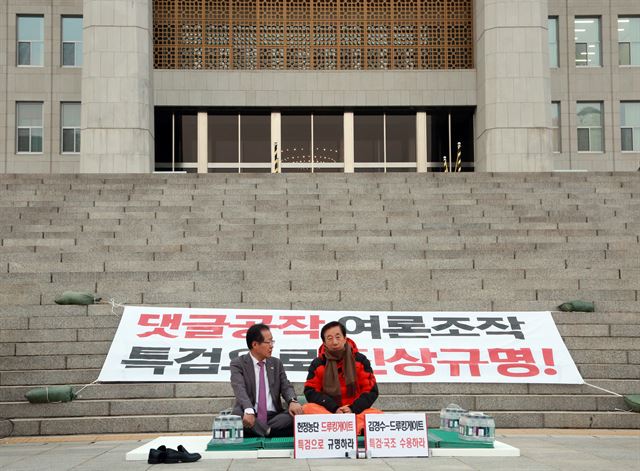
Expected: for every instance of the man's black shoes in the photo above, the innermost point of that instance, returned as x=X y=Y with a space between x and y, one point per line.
x=187 y=457
x=157 y=456
x=181 y=456
x=169 y=455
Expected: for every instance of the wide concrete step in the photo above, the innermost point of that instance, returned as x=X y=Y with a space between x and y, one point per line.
x=154 y=406
x=48 y=377
x=620 y=295
x=108 y=391
x=328 y=251
x=93 y=316
x=203 y=422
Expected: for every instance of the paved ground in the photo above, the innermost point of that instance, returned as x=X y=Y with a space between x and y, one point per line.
x=540 y=449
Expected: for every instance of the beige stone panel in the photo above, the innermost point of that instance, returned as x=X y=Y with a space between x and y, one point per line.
x=628 y=162
x=308 y=88
x=66 y=163
x=28 y=163
x=68 y=82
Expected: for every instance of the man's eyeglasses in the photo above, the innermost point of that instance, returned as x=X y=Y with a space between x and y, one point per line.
x=269 y=342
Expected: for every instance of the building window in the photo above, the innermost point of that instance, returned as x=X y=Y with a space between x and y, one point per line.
x=587 y=37
x=384 y=142
x=368 y=136
x=255 y=142
x=630 y=126
x=223 y=134
x=590 y=135
x=71 y=41
x=187 y=133
x=296 y=141
x=70 y=128
x=29 y=127
x=629 y=40
x=555 y=126
x=328 y=142
x=30 y=41
x=312 y=142
x=553 y=41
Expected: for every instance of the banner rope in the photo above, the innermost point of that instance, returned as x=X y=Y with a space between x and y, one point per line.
x=603 y=389
x=77 y=393
x=115 y=304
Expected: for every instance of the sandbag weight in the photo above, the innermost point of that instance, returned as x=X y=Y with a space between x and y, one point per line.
x=50 y=394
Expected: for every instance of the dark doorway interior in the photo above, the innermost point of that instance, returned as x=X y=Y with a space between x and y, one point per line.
x=438 y=138
x=312 y=140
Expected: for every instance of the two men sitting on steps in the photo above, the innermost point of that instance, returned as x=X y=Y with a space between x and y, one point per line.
x=340 y=381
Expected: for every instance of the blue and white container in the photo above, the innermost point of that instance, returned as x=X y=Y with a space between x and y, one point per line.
x=450 y=417
x=476 y=426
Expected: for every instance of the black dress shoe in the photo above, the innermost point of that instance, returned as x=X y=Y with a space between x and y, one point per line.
x=187 y=457
x=157 y=456
x=172 y=456
x=181 y=455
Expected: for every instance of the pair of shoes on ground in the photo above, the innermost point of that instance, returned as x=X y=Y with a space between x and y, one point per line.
x=168 y=455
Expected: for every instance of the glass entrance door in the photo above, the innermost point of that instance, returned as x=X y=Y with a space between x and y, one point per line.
x=297 y=154
x=312 y=143
x=385 y=142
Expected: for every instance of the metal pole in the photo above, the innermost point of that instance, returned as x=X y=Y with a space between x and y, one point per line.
x=276 y=162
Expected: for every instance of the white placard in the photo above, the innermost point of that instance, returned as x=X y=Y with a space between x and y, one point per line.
x=166 y=344
x=325 y=436
x=396 y=435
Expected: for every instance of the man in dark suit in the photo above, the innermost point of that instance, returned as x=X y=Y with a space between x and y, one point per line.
x=258 y=381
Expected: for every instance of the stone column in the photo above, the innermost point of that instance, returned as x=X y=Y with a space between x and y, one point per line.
x=421 y=142
x=348 y=142
x=117 y=89
x=203 y=142
x=513 y=121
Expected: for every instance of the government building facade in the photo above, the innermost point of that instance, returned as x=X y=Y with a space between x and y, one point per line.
x=245 y=86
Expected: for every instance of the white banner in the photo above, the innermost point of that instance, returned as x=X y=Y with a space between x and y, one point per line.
x=325 y=436
x=178 y=344
x=402 y=434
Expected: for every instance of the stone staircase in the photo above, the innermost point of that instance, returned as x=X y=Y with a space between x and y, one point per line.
x=328 y=241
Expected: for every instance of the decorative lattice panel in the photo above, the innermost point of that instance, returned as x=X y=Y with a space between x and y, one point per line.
x=313 y=34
